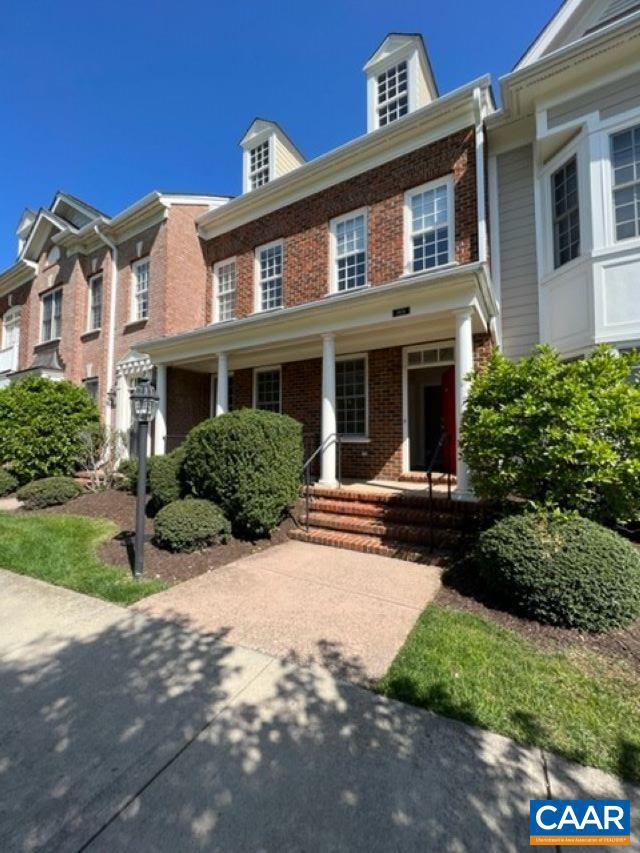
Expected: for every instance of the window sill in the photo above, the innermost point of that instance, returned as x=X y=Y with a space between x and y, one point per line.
x=50 y=342
x=90 y=334
x=440 y=267
x=333 y=294
x=355 y=439
x=135 y=324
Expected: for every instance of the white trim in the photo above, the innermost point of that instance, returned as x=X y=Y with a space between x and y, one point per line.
x=271 y=368
x=356 y=439
x=216 y=282
x=43 y=296
x=333 y=271
x=494 y=231
x=13 y=316
x=134 y=286
x=550 y=31
x=446 y=180
x=609 y=129
x=257 y=287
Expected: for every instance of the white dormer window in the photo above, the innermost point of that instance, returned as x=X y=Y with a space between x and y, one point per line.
x=393 y=94
x=259 y=165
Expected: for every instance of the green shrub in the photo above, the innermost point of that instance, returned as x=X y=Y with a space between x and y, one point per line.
x=249 y=462
x=165 y=478
x=128 y=471
x=561 y=570
x=557 y=434
x=8 y=483
x=187 y=525
x=41 y=424
x=48 y=492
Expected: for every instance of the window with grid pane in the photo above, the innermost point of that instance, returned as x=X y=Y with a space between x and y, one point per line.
x=141 y=291
x=91 y=387
x=268 y=390
x=259 y=165
x=625 y=166
x=95 y=302
x=270 y=264
x=226 y=291
x=351 y=252
x=52 y=315
x=351 y=397
x=429 y=212
x=393 y=94
x=566 y=215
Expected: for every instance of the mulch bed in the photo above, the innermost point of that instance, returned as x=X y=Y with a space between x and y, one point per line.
x=120 y=507
x=461 y=591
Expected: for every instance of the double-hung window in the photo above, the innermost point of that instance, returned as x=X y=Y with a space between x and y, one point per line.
x=140 y=309
x=267 y=393
x=350 y=249
x=566 y=213
x=430 y=226
x=269 y=263
x=259 y=165
x=51 y=315
x=625 y=168
x=351 y=397
x=224 y=276
x=393 y=93
x=95 y=302
x=91 y=387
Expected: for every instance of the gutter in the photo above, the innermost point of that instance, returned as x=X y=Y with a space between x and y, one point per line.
x=112 y=322
x=480 y=177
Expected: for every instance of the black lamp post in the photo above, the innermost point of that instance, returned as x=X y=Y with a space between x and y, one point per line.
x=144 y=407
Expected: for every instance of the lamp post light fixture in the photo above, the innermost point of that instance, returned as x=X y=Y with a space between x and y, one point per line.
x=144 y=408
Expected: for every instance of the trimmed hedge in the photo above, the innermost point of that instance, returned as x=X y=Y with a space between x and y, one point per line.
x=188 y=525
x=165 y=478
x=41 y=427
x=8 y=483
x=48 y=492
x=560 y=570
x=249 y=462
x=128 y=470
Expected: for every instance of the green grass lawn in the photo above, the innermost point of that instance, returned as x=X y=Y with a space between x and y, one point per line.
x=61 y=549
x=574 y=703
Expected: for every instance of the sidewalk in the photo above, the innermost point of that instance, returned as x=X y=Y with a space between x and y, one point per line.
x=125 y=732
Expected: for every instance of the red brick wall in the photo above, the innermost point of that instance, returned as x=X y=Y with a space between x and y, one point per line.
x=482 y=349
x=304 y=225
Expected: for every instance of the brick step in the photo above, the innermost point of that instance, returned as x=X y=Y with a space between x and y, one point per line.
x=408 y=533
x=400 y=515
x=398 y=499
x=370 y=545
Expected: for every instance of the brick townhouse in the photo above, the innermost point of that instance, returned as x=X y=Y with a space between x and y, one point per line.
x=356 y=291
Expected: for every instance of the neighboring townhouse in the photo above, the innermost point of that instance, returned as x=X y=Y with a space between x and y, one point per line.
x=356 y=291
x=86 y=289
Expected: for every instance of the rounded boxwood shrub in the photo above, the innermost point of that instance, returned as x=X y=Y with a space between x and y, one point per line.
x=249 y=462
x=8 y=483
x=561 y=570
x=187 y=525
x=48 y=492
x=42 y=423
x=165 y=478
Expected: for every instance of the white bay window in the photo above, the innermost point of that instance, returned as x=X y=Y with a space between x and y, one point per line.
x=625 y=168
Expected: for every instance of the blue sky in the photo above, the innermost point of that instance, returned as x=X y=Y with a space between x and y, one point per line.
x=110 y=101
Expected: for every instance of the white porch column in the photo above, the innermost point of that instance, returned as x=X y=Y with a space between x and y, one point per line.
x=464 y=366
x=160 y=434
x=328 y=426
x=222 y=397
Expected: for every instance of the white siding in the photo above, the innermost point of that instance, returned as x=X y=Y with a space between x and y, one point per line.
x=518 y=274
x=610 y=100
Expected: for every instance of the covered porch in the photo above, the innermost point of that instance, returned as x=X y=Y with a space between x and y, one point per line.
x=377 y=376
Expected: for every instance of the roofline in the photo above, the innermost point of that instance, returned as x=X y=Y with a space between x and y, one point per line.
x=543 y=31
x=342 y=152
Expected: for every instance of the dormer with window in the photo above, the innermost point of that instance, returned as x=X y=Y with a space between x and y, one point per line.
x=24 y=227
x=399 y=80
x=268 y=153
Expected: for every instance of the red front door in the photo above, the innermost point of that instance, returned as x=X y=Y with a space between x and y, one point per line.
x=448 y=384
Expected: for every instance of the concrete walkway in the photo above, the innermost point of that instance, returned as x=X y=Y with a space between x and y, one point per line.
x=348 y=611
x=120 y=731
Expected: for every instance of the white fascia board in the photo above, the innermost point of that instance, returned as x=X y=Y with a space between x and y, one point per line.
x=438 y=291
x=16 y=275
x=212 y=201
x=425 y=125
x=549 y=33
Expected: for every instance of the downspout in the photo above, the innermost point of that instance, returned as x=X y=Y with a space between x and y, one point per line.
x=112 y=322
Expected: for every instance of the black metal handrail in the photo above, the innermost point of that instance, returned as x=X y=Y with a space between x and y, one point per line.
x=334 y=438
x=441 y=445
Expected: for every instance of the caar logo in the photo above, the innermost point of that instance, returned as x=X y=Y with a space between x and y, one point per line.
x=573 y=822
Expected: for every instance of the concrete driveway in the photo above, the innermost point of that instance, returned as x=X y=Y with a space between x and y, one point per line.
x=349 y=612
x=120 y=731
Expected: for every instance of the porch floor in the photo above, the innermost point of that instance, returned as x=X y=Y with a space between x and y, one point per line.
x=389 y=487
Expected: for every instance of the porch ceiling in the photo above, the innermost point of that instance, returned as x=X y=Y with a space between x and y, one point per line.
x=360 y=321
